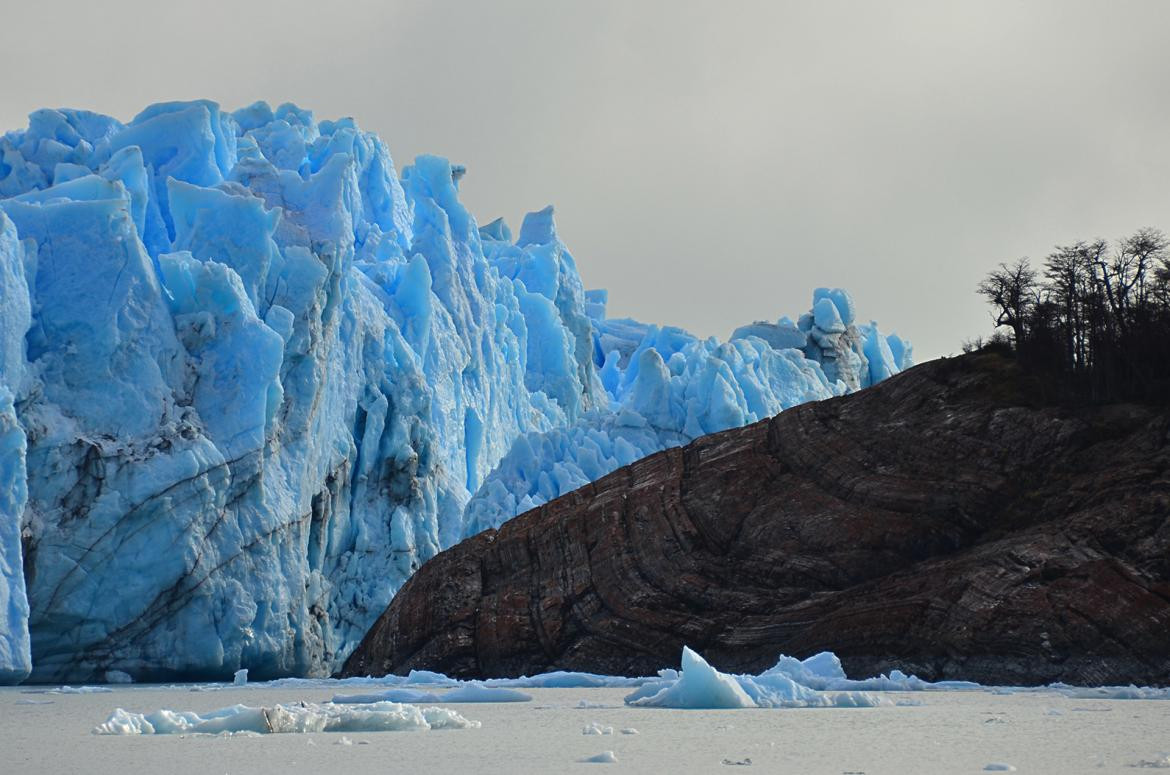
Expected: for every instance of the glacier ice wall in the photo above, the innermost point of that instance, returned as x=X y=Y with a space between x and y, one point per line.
x=250 y=379
x=15 y=654
x=666 y=387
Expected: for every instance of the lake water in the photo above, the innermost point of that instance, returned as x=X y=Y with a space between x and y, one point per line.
x=948 y=732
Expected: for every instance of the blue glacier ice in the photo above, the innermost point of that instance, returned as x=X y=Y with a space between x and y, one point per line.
x=474 y=691
x=697 y=685
x=251 y=378
x=15 y=650
x=664 y=387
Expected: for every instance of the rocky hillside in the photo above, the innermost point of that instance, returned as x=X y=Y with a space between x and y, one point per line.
x=942 y=522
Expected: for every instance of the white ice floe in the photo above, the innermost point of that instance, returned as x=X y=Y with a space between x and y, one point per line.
x=1160 y=763
x=998 y=767
x=72 y=690
x=1130 y=692
x=475 y=692
x=428 y=678
x=596 y=729
x=414 y=696
x=584 y=704
x=605 y=757
x=561 y=679
x=817 y=681
x=302 y=717
x=469 y=692
x=824 y=672
x=381 y=686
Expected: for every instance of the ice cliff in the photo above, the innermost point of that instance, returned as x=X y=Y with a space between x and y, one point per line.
x=250 y=379
x=665 y=387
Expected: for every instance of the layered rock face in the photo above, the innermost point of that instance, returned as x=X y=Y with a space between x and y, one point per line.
x=939 y=522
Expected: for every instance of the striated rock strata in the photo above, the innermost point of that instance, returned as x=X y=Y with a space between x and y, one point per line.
x=941 y=522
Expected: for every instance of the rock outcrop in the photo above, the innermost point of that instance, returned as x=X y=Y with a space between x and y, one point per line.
x=942 y=522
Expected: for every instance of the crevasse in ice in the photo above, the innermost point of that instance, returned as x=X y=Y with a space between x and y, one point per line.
x=250 y=379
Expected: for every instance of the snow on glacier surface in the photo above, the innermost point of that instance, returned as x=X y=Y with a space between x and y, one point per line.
x=251 y=378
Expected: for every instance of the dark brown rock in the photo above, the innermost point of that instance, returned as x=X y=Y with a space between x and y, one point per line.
x=939 y=522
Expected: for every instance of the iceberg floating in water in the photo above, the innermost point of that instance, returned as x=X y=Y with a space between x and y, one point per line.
x=284 y=719
x=595 y=728
x=398 y=694
x=824 y=672
x=465 y=693
x=251 y=378
x=561 y=679
x=1130 y=692
x=700 y=686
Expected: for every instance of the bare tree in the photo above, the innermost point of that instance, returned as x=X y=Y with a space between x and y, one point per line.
x=1098 y=319
x=1012 y=292
x=1146 y=251
x=1070 y=274
x=1129 y=271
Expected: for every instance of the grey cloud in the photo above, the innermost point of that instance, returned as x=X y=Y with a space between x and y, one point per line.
x=710 y=162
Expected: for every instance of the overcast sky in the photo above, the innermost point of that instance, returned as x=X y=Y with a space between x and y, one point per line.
x=711 y=163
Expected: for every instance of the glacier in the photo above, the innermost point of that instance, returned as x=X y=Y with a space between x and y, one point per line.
x=251 y=377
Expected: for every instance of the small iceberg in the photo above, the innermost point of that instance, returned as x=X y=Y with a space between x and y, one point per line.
x=471 y=692
x=281 y=719
x=700 y=686
x=596 y=729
